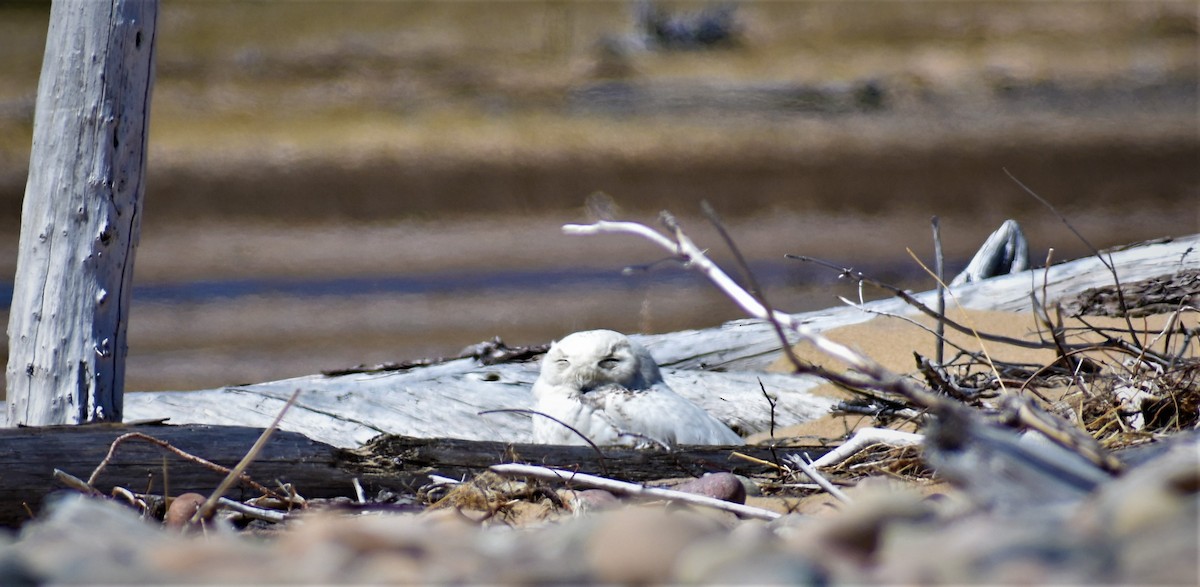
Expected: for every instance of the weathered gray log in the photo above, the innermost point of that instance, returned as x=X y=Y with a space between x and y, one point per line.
x=28 y=457
x=1005 y=251
x=444 y=400
x=80 y=221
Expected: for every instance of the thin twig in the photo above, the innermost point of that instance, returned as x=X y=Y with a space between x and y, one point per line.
x=974 y=331
x=112 y=449
x=745 y=457
x=205 y=511
x=915 y=303
x=166 y=479
x=630 y=489
x=75 y=482
x=772 y=402
x=755 y=288
x=861 y=306
x=1106 y=262
x=600 y=453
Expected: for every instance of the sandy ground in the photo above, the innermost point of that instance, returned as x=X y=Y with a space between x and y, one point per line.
x=892 y=342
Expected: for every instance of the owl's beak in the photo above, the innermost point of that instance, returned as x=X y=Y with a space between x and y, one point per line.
x=586 y=387
x=587 y=379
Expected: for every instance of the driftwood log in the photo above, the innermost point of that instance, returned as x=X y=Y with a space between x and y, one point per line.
x=28 y=457
x=718 y=368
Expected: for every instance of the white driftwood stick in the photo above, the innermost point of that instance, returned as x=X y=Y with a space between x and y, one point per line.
x=880 y=377
x=864 y=438
x=695 y=257
x=250 y=511
x=819 y=479
x=631 y=489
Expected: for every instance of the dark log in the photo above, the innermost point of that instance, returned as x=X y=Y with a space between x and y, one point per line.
x=28 y=457
x=389 y=456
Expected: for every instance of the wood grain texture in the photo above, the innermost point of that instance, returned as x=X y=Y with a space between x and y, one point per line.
x=398 y=457
x=81 y=216
x=28 y=457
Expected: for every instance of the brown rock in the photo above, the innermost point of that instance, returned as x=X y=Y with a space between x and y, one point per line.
x=179 y=514
x=725 y=486
x=591 y=500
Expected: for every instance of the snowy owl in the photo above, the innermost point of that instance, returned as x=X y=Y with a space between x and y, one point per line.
x=609 y=388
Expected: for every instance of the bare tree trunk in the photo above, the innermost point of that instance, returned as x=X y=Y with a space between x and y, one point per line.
x=80 y=221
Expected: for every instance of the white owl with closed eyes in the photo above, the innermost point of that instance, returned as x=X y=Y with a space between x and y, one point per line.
x=610 y=389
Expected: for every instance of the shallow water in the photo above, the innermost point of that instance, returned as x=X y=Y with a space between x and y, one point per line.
x=391 y=184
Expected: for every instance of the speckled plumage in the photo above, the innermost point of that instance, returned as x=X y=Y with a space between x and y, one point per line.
x=609 y=388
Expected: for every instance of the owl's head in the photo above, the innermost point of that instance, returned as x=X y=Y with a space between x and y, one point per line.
x=597 y=358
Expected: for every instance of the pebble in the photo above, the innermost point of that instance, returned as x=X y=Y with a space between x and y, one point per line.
x=182 y=509
x=724 y=486
x=590 y=500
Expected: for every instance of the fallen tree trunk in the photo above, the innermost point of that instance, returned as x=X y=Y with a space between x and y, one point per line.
x=29 y=456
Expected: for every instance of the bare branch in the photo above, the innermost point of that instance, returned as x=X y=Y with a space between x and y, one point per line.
x=1108 y=263
x=112 y=450
x=755 y=287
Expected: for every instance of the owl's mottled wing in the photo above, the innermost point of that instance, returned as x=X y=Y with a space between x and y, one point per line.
x=660 y=414
x=565 y=405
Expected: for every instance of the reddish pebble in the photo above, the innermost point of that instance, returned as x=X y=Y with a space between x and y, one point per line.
x=182 y=509
x=724 y=486
x=595 y=499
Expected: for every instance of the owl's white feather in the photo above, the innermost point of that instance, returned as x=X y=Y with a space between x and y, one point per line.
x=609 y=388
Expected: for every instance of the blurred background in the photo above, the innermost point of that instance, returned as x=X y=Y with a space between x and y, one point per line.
x=342 y=183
